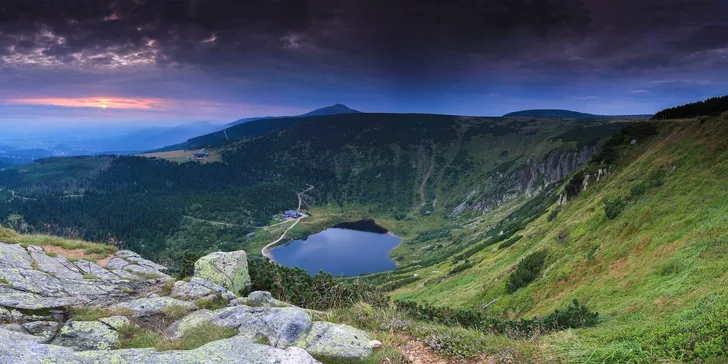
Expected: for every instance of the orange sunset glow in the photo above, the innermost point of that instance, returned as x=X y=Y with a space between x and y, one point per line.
x=97 y=102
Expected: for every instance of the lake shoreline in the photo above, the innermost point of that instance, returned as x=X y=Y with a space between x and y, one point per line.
x=345 y=250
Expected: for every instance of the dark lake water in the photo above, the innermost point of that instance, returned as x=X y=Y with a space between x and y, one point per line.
x=346 y=249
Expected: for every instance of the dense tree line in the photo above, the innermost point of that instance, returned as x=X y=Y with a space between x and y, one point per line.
x=710 y=106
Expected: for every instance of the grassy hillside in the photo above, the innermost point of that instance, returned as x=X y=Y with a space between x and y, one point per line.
x=653 y=264
x=428 y=171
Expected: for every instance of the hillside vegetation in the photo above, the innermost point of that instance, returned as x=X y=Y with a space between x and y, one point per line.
x=712 y=106
x=429 y=169
x=644 y=246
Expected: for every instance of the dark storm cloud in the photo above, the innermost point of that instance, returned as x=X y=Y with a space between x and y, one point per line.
x=276 y=47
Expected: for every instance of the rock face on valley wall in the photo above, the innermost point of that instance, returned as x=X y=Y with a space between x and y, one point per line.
x=529 y=180
x=38 y=289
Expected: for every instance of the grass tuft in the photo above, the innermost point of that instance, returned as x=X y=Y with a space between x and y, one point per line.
x=198 y=336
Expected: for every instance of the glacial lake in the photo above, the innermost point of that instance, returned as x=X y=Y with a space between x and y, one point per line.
x=347 y=249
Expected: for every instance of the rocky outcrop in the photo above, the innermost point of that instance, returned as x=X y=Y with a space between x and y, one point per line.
x=198 y=288
x=30 y=279
x=339 y=341
x=282 y=328
x=229 y=270
x=36 y=325
x=87 y=335
x=530 y=179
x=144 y=307
x=18 y=348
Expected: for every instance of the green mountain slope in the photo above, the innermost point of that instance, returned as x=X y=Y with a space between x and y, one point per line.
x=404 y=167
x=653 y=264
x=567 y=114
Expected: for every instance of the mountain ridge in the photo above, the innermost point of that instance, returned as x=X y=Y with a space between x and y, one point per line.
x=567 y=114
x=327 y=110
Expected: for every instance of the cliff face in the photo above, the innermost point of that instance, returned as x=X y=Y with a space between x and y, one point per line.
x=528 y=180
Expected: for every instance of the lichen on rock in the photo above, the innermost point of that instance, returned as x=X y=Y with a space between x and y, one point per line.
x=226 y=269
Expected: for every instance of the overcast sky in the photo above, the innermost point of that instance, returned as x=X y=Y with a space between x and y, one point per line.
x=167 y=62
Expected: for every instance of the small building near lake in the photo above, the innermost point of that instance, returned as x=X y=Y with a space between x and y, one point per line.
x=292 y=213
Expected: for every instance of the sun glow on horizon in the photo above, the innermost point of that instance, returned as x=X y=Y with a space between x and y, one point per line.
x=97 y=102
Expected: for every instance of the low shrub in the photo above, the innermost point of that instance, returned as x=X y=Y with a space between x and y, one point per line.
x=320 y=292
x=576 y=315
x=509 y=242
x=612 y=208
x=552 y=215
x=187 y=267
x=461 y=267
x=526 y=271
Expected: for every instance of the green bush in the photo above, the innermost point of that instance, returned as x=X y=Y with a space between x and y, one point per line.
x=612 y=208
x=509 y=242
x=552 y=215
x=188 y=264
x=526 y=271
x=575 y=185
x=461 y=267
x=320 y=292
x=638 y=190
x=575 y=316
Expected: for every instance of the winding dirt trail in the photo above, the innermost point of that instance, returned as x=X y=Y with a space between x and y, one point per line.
x=266 y=250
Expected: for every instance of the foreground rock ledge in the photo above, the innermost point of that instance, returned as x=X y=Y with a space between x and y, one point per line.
x=36 y=290
x=17 y=348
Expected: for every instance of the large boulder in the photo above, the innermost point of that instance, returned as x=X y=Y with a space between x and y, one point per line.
x=87 y=335
x=337 y=341
x=229 y=270
x=279 y=327
x=18 y=348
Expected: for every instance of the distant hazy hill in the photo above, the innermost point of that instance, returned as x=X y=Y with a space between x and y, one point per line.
x=251 y=127
x=10 y=155
x=329 y=110
x=701 y=108
x=565 y=114
x=151 y=138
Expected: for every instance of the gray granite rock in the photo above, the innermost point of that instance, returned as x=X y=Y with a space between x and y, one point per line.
x=286 y=326
x=87 y=335
x=58 y=266
x=198 y=288
x=116 y=263
x=42 y=329
x=14 y=256
x=18 y=348
x=337 y=341
x=126 y=254
x=146 y=263
x=143 y=307
x=115 y=322
x=227 y=269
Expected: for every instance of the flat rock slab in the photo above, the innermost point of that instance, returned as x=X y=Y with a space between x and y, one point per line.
x=18 y=348
x=87 y=335
x=143 y=307
x=14 y=256
x=198 y=288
